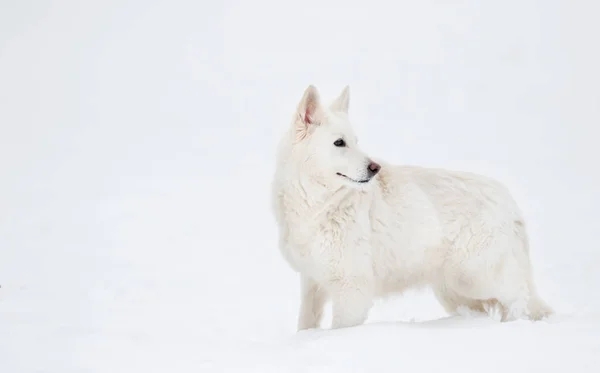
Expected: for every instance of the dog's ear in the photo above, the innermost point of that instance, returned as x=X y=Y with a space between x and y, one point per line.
x=309 y=112
x=342 y=102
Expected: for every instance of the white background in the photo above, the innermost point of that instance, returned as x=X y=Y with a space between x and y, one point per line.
x=136 y=154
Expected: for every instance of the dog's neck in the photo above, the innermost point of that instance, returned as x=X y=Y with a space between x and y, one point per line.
x=313 y=198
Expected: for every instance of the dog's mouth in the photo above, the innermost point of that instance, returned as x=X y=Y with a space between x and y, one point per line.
x=351 y=179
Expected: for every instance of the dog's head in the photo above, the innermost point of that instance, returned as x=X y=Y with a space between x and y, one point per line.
x=325 y=145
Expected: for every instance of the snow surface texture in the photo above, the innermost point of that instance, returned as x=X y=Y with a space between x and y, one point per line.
x=136 y=154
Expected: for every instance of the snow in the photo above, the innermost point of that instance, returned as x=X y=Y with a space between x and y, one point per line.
x=136 y=154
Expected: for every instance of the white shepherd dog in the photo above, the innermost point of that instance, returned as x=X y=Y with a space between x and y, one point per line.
x=355 y=229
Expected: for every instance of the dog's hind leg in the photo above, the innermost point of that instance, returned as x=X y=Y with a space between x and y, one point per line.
x=312 y=304
x=454 y=303
x=498 y=282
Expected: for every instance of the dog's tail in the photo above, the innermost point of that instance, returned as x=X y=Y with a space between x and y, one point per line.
x=538 y=309
x=536 y=306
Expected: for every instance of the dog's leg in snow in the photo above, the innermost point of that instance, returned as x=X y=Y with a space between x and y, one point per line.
x=352 y=299
x=312 y=304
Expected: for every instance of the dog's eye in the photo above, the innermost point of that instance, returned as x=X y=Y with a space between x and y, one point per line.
x=339 y=143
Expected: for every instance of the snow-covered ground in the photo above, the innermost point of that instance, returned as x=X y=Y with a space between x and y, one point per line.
x=136 y=154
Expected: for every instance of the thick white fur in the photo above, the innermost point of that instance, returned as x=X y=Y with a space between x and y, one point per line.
x=460 y=233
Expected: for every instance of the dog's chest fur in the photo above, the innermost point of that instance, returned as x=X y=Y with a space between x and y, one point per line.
x=331 y=232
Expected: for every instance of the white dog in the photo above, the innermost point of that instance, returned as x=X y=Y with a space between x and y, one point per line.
x=355 y=229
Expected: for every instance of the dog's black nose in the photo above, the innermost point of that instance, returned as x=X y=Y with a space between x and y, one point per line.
x=373 y=168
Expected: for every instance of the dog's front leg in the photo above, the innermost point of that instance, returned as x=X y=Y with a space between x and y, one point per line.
x=312 y=304
x=352 y=299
